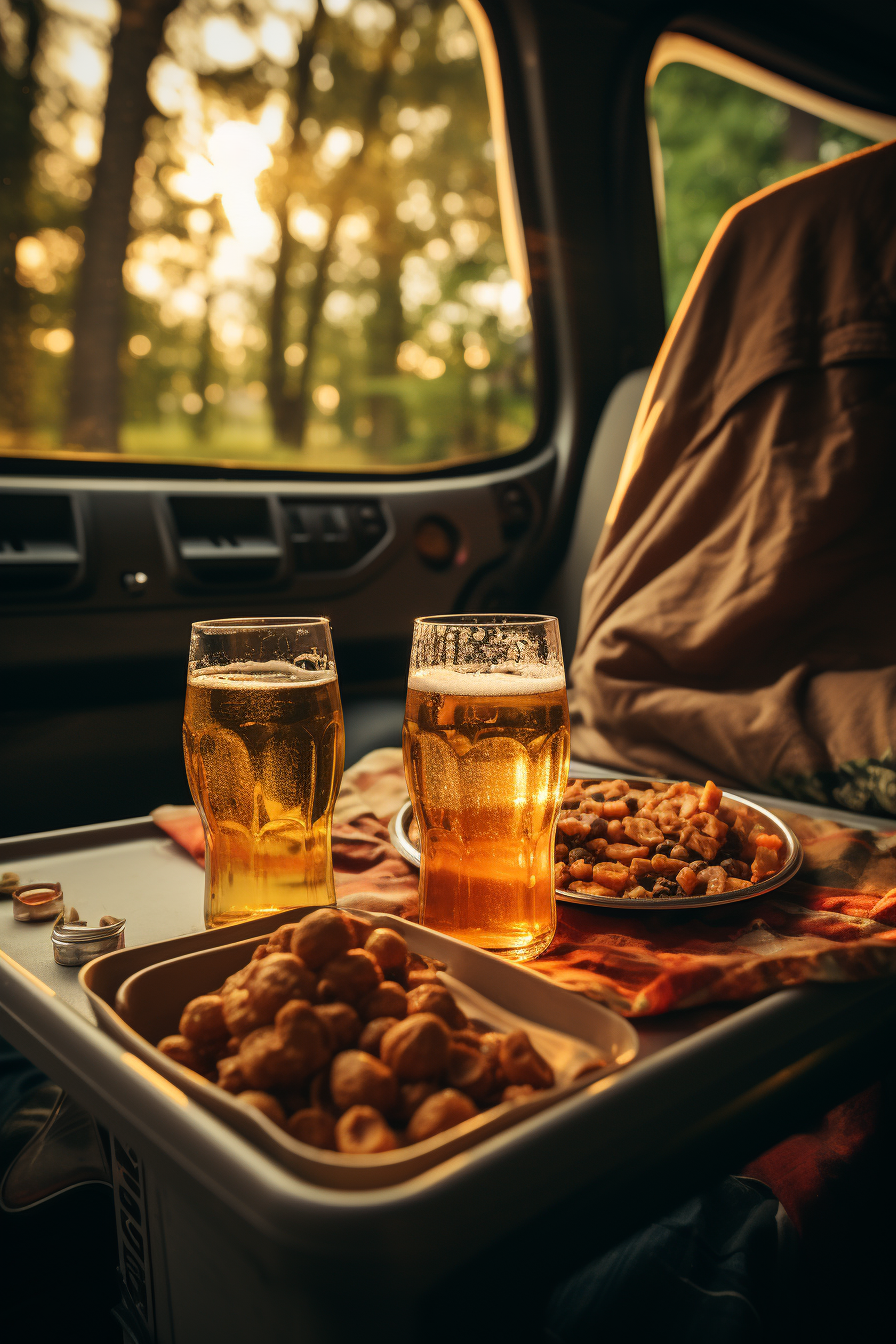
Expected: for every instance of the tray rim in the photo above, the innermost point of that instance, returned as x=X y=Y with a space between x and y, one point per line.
x=398 y=835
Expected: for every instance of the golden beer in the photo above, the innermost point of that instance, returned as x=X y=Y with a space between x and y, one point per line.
x=264 y=745
x=486 y=759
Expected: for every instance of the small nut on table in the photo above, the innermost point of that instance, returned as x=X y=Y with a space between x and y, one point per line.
x=8 y=881
x=321 y=937
x=443 y=1110
x=389 y=948
x=264 y=1102
x=363 y=1130
x=521 y=1062
x=417 y=1048
x=358 y=1079
x=314 y=1127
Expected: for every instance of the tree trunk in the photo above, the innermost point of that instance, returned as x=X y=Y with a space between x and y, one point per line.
x=16 y=353
x=94 y=409
x=277 y=326
x=293 y=410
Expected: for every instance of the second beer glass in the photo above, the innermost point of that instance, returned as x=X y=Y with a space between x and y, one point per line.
x=264 y=746
x=486 y=752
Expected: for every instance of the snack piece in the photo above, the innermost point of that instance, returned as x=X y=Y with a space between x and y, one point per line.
x=388 y=1000
x=281 y=939
x=410 y=1096
x=321 y=936
x=203 y=1020
x=285 y=1054
x=349 y=977
x=231 y=1076
x=361 y=927
x=253 y=997
x=264 y=1102
x=417 y=1048
x=430 y=998
x=687 y=880
x=182 y=1051
x=419 y=971
x=318 y=1128
x=443 y=1110
x=522 y=1063
x=766 y=860
x=341 y=1024
x=373 y=1033
x=358 y=1079
x=470 y=1071
x=363 y=1130
x=389 y=948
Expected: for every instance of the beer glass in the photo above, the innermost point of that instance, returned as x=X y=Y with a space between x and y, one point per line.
x=264 y=747
x=486 y=755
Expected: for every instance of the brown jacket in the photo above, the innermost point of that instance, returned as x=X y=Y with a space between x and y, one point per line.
x=739 y=616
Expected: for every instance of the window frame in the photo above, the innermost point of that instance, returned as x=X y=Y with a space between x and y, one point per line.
x=520 y=220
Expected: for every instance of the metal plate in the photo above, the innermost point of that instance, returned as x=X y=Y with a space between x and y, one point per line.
x=793 y=857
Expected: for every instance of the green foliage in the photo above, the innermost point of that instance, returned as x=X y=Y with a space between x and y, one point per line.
x=721 y=142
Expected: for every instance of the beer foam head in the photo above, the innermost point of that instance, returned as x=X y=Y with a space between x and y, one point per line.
x=274 y=673
x=523 y=679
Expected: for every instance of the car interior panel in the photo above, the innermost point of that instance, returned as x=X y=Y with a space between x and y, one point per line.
x=352 y=309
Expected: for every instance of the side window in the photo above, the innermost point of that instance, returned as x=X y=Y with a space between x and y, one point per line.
x=716 y=141
x=300 y=220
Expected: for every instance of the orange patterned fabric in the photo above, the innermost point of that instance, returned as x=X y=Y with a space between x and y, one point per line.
x=837 y=922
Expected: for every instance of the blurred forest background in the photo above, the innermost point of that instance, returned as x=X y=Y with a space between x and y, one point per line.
x=268 y=231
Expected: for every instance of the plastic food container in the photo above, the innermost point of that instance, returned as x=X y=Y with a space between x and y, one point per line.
x=137 y=1005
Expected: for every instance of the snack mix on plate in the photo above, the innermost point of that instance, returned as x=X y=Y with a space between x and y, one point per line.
x=348 y=1041
x=661 y=841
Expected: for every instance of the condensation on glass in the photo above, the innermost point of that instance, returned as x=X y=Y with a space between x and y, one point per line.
x=717 y=136
x=303 y=228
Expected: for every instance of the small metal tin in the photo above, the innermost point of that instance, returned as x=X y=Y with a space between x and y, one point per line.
x=76 y=944
x=36 y=902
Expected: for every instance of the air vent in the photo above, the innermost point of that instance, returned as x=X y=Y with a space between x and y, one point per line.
x=226 y=539
x=40 y=550
x=333 y=534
